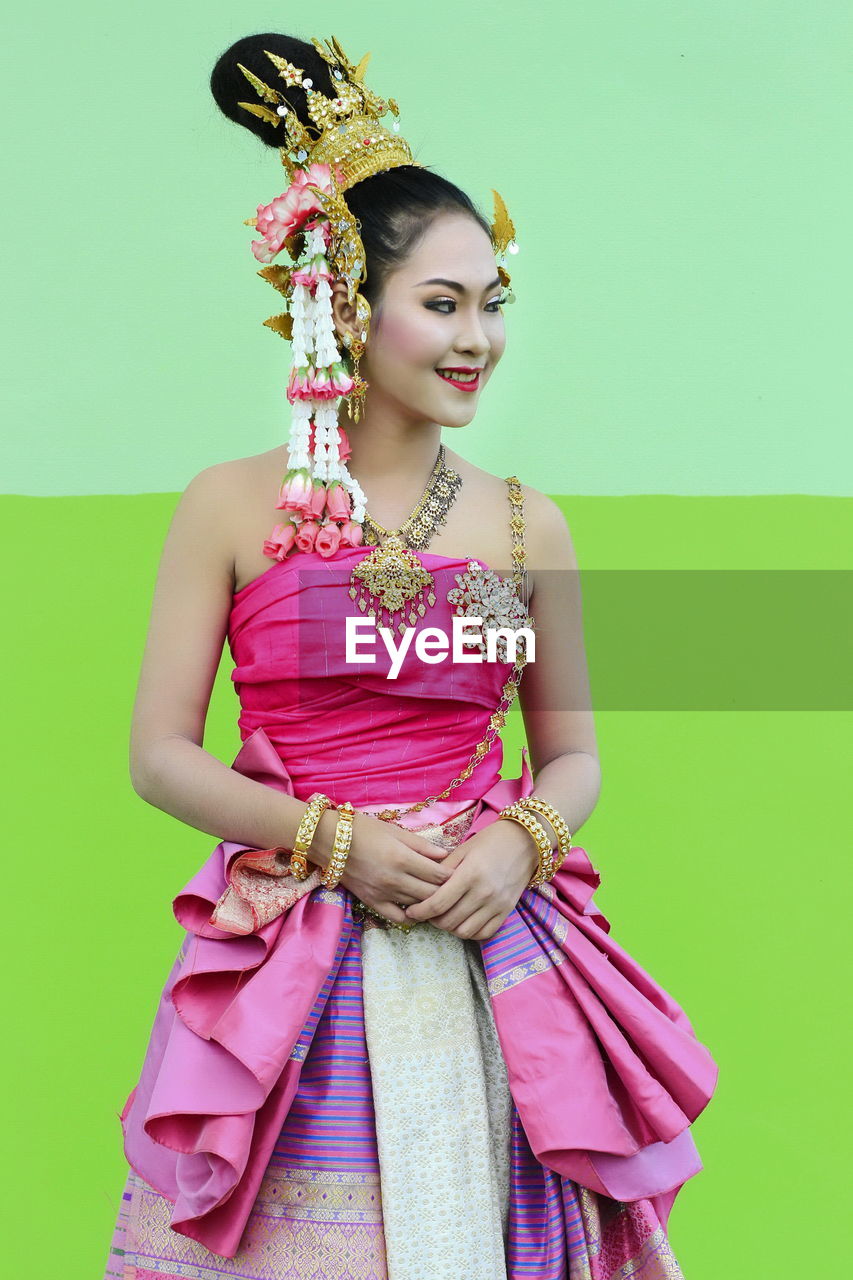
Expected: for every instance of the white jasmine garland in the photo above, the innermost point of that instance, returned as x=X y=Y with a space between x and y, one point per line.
x=324 y=329
x=303 y=330
x=300 y=435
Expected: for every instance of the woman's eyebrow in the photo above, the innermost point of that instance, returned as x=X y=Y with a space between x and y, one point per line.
x=454 y=284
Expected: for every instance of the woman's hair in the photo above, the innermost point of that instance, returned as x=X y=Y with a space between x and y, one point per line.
x=394 y=208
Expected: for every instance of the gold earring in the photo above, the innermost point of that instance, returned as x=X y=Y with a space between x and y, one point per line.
x=355 y=399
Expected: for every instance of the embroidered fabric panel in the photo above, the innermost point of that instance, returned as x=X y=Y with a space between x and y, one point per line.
x=443 y=1107
x=300 y=1226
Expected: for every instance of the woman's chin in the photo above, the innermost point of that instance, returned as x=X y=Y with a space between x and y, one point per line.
x=459 y=416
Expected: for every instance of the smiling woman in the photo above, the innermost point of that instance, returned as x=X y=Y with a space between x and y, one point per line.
x=397 y=1040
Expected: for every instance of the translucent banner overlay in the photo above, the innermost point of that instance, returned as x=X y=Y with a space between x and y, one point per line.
x=719 y=640
x=655 y=640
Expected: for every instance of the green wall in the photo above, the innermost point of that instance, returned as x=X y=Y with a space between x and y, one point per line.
x=721 y=836
x=679 y=178
x=680 y=185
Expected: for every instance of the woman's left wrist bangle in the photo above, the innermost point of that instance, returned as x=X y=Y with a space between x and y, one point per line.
x=537 y=805
x=524 y=818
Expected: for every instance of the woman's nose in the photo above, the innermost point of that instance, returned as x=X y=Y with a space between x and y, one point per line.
x=474 y=339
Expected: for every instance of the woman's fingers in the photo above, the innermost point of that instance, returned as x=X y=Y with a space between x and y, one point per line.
x=426 y=871
x=391 y=910
x=428 y=848
x=394 y=866
x=413 y=888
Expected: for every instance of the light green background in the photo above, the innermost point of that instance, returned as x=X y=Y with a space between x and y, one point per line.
x=679 y=178
x=680 y=188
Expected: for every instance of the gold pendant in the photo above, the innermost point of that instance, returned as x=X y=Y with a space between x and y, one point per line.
x=393 y=580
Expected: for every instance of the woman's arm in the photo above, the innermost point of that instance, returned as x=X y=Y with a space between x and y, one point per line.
x=554 y=693
x=187 y=629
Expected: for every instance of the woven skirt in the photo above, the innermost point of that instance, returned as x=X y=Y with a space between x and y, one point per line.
x=402 y=1156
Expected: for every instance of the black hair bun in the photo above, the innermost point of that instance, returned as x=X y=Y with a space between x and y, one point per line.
x=230 y=87
x=393 y=208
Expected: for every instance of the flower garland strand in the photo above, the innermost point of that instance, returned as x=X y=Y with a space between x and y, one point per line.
x=325 y=503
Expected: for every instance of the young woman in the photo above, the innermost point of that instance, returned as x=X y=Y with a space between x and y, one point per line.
x=417 y=1053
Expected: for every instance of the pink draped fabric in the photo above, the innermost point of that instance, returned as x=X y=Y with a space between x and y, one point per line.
x=344 y=726
x=604 y=1067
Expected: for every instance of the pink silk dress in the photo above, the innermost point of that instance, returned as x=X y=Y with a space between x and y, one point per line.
x=323 y=1096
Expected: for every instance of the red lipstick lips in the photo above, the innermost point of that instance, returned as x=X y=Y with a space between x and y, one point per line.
x=470 y=384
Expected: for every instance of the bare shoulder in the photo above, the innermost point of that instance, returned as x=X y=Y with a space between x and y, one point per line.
x=232 y=503
x=235 y=474
x=547 y=537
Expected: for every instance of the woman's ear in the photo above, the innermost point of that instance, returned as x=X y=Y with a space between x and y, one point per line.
x=343 y=311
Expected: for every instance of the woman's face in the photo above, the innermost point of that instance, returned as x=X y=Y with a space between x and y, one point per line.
x=439 y=310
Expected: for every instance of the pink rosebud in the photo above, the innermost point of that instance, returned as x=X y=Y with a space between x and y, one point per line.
x=306 y=534
x=351 y=534
x=280 y=541
x=321 y=387
x=338 y=503
x=327 y=540
x=342 y=383
x=318 y=499
x=320 y=268
x=300 y=386
x=296 y=491
x=344 y=447
x=317 y=269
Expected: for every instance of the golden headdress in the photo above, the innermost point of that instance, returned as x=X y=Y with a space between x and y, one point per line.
x=344 y=144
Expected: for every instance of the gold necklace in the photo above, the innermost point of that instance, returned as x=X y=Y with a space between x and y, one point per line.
x=429 y=513
x=510 y=689
x=391 y=582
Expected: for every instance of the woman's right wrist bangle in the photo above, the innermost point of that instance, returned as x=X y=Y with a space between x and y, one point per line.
x=317 y=804
x=341 y=846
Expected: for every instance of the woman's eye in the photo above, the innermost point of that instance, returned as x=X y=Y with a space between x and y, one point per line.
x=437 y=303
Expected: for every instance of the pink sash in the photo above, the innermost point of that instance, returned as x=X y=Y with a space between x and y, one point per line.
x=604 y=1067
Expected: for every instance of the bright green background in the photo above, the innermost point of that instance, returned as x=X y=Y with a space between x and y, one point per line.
x=681 y=195
x=722 y=839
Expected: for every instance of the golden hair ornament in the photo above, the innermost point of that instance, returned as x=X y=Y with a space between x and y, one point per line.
x=344 y=143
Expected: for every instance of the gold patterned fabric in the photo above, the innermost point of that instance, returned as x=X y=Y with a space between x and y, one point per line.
x=442 y=1101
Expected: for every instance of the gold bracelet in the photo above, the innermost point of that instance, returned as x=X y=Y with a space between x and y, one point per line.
x=341 y=846
x=557 y=821
x=317 y=804
x=545 y=869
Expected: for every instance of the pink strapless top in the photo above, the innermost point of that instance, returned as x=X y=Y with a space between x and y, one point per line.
x=346 y=728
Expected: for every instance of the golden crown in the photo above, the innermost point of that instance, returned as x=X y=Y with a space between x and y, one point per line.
x=346 y=133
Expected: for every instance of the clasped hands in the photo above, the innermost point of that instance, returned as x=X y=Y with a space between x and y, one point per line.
x=469 y=891
x=488 y=873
